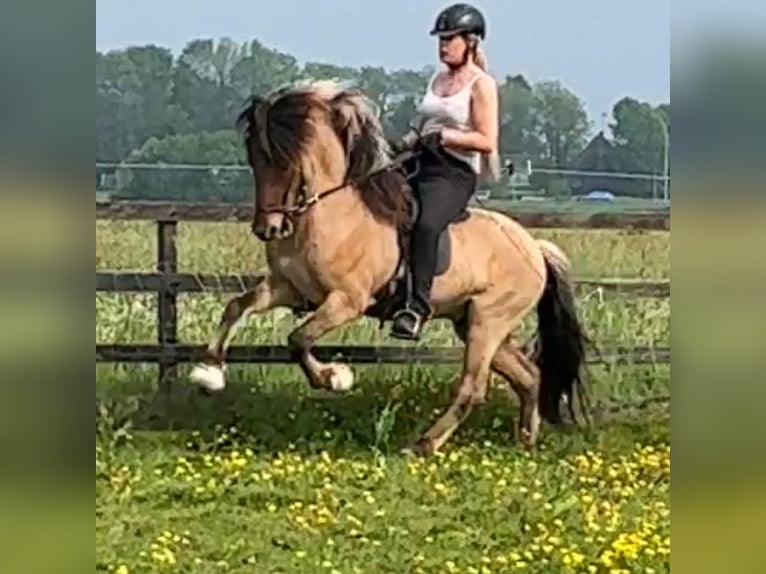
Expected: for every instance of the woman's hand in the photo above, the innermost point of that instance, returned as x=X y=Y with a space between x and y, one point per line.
x=409 y=140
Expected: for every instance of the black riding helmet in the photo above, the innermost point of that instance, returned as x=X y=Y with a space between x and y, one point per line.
x=460 y=19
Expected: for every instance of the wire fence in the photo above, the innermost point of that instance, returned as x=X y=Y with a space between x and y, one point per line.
x=167 y=283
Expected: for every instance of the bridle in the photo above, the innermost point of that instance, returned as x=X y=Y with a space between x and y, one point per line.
x=307 y=201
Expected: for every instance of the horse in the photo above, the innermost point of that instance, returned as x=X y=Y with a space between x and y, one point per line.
x=333 y=207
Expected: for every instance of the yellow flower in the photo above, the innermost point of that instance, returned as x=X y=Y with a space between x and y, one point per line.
x=606 y=558
x=122 y=569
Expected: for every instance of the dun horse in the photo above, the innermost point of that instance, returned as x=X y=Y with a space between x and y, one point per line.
x=333 y=209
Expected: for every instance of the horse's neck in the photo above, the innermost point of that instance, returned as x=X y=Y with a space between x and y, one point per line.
x=336 y=238
x=328 y=223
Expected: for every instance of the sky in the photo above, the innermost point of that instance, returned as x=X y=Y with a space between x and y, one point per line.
x=602 y=50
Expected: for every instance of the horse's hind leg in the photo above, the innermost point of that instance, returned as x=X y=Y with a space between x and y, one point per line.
x=521 y=373
x=524 y=377
x=267 y=294
x=484 y=335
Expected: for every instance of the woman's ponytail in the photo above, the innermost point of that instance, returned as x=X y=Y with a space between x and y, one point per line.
x=480 y=59
x=490 y=163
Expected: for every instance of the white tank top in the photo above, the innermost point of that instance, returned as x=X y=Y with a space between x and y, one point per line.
x=450 y=111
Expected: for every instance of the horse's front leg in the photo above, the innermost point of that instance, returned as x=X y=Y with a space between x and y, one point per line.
x=269 y=292
x=337 y=309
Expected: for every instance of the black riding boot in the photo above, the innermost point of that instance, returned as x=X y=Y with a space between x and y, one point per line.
x=409 y=320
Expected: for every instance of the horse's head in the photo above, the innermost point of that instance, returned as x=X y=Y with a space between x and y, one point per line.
x=303 y=140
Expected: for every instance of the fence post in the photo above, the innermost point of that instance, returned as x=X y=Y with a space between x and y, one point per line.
x=167 y=325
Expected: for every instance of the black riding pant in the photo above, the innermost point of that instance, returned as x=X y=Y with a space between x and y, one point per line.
x=443 y=186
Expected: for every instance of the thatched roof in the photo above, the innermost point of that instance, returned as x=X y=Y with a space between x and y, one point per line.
x=602 y=155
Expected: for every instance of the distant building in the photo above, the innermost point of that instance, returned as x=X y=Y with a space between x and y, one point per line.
x=601 y=155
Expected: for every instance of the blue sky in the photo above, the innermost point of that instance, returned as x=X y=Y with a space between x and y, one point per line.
x=601 y=49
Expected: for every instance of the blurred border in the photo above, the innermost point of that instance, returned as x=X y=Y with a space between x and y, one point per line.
x=719 y=279
x=46 y=150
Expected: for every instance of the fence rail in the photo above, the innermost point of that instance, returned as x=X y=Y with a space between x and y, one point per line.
x=167 y=283
x=277 y=354
x=238 y=212
x=137 y=282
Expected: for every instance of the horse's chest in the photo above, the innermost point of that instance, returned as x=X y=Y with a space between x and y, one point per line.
x=298 y=271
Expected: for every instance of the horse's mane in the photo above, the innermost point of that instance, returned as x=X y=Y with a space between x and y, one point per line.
x=285 y=121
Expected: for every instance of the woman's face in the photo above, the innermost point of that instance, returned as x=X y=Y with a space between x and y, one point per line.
x=451 y=49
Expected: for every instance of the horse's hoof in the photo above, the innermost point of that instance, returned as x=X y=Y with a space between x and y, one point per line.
x=527 y=439
x=339 y=377
x=424 y=447
x=209 y=377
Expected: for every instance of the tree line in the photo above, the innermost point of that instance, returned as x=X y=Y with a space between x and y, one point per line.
x=152 y=107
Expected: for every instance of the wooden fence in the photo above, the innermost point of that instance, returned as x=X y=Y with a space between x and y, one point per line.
x=167 y=283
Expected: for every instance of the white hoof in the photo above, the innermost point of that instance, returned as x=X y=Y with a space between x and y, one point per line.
x=341 y=377
x=208 y=376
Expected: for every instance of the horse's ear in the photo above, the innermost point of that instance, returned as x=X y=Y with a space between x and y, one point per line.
x=248 y=113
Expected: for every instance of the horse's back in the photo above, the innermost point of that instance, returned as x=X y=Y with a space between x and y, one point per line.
x=494 y=248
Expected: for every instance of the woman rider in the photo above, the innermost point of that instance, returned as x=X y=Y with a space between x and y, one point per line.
x=459 y=129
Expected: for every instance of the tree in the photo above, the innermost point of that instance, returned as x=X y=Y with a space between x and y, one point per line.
x=405 y=89
x=322 y=71
x=132 y=99
x=518 y=121
x=638 y=130
x=202 y=83
x=208 y=148
x=561 y=121
x=260 y=70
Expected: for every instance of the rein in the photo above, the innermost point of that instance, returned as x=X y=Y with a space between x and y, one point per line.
x=306 y=202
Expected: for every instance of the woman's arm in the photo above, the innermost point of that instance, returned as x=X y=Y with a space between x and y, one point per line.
x=484 y=115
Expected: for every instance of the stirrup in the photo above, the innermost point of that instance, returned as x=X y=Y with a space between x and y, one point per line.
x=417 y=324
x=407 y=311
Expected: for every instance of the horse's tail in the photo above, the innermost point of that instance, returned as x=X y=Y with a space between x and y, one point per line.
x=560 y=355
x=555 y=255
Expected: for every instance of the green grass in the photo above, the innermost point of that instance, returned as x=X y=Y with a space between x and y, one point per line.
x=582 y=207
x=271 y=477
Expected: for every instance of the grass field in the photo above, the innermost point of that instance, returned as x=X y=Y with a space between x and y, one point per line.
x=581 y=207
x=270 y=477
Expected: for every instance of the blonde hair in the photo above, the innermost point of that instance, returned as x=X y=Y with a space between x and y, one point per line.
x=490 y=163
x=479 y=58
